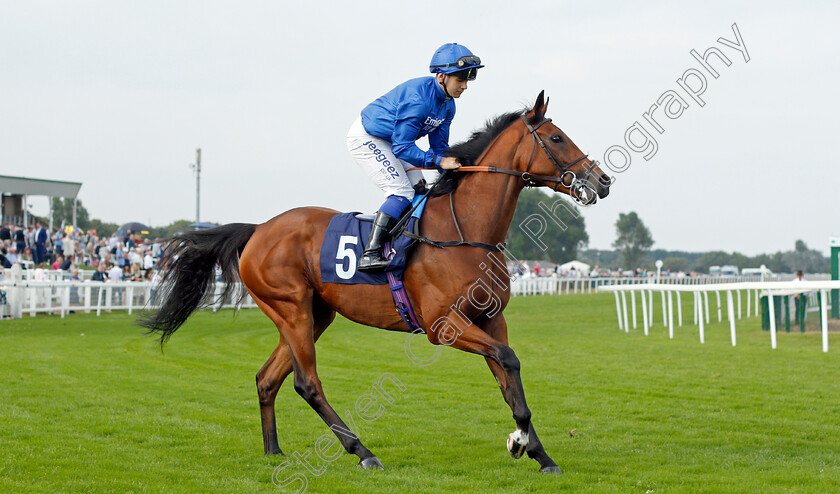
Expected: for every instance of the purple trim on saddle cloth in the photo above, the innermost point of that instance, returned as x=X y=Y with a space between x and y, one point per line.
x=401 y=297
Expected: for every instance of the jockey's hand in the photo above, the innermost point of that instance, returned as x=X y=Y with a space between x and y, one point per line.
x=449 y=163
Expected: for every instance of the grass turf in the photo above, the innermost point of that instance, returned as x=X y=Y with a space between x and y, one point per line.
x=90 y=404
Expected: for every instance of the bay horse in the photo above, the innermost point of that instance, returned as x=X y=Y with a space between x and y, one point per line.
x=278 y=263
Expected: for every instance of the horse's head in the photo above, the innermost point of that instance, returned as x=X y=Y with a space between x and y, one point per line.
x=546 y=156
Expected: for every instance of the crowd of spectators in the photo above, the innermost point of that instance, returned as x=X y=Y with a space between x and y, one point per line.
x=533 y=269
x=115 y=258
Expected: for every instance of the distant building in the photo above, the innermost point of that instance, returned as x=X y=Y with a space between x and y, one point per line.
x=15 y=190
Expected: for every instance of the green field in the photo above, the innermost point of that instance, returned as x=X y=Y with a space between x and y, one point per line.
x=89 y=404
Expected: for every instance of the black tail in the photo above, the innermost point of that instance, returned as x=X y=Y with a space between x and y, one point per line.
x=189 y=270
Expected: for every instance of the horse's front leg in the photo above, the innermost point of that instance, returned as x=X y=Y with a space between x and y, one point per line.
x=497 y=328
x=477 y=340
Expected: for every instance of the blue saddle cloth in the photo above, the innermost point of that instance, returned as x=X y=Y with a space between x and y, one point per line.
x=344 y=242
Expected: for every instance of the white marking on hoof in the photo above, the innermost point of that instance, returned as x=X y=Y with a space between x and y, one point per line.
x=517 y=442
x=371 y=463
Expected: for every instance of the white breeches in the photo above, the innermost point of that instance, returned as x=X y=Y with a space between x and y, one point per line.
x=375 y=157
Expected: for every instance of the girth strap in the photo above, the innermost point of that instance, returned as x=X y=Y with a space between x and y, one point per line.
x=453 y=243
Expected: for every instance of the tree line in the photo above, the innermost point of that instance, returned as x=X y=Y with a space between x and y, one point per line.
x=63 y=215
x=633 y=245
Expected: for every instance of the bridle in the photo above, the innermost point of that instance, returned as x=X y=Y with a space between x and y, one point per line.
x=566 y=178
x=535 y=138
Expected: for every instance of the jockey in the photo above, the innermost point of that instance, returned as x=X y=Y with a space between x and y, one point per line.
x=382 y=139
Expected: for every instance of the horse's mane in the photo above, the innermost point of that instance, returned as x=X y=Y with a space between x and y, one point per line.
x=468 y=151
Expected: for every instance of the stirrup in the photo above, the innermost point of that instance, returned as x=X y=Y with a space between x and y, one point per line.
x=373 y=262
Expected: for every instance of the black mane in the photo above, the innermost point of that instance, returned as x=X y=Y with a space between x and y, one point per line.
x=468 y=151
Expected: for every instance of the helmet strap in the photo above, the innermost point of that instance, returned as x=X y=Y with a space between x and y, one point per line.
x=446 y=91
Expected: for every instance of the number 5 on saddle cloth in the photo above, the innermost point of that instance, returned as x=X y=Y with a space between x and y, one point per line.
x=344 y=242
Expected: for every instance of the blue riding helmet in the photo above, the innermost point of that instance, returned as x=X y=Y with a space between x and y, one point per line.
x=451 y=58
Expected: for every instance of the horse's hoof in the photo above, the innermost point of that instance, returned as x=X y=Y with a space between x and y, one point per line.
x=517 y=442
x=371 y=463
x=277 y=452
x=553 y=469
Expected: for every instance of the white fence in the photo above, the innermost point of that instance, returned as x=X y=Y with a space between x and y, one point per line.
x=62 y=296
x=700 y=293
x=550 y=286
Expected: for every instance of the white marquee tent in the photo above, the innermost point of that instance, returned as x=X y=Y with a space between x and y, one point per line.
x=576 y=265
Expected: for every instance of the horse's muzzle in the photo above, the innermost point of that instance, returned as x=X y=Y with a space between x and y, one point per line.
x=584 y=192
x=604 y=183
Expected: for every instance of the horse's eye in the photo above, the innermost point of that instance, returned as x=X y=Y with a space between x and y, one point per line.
x=556 y=138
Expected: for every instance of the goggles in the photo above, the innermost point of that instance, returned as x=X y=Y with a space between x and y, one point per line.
x=462 y=63
x=467 y=61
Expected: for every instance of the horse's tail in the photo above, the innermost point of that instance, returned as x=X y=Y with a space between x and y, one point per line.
x=189 y=271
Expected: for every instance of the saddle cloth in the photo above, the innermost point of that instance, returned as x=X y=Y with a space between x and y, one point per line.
x=344 y=242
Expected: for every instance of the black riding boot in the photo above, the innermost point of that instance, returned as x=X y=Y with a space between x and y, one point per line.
x=372 y=258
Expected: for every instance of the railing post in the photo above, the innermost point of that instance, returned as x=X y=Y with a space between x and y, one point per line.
x=772 y=308
x=624 y=309
x=618 y=310
x=130 y=295
x=824 y=319
x=33 y=300
x=109 y=298
x=664 y=311
x=700 y=308
x=670 y=315
x=696 y=310
x=679 y=307
x=731 y=314
x=65 y=301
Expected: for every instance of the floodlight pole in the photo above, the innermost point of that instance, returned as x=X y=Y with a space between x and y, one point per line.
x=197 y=168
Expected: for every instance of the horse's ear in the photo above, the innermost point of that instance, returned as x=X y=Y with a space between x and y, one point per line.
x=540 y=106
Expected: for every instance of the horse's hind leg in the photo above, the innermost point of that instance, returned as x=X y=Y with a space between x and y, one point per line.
x=297 y=326
x=269 y=380
x=274 y=372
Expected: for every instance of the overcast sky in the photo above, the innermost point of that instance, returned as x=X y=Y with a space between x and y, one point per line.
x=118 y=95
